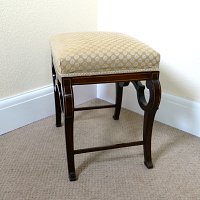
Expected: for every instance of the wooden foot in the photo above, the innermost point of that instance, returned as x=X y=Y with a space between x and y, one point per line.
x=148 y=164
x=72 y=176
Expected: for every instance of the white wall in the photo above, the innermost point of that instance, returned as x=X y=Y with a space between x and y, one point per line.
x=25 y=29
x=26 y=92
x=169 y=26
x=172 y=28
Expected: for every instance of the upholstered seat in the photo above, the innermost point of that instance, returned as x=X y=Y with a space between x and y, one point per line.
x=94 y=53
x=103 y=57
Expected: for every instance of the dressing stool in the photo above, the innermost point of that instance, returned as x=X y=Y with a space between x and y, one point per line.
x=103 y=57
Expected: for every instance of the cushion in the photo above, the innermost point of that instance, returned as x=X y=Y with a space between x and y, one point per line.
x=95 y=53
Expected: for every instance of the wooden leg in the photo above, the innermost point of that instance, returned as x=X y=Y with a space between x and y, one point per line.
x=150 y=109
x=57 y=99
x=147 y=134
x=118 y=101
x=68 y=107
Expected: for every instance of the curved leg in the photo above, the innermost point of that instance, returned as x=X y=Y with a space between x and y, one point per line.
x=57 y=100
x=68 y=107
x=150 y=109
x=118 y=101
x=147 y=134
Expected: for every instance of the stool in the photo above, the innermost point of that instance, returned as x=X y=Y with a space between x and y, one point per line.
x=103 y=57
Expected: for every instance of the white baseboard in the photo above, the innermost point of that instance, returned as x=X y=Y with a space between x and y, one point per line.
x=174 y=111
x=32 y=106
x=37 y=104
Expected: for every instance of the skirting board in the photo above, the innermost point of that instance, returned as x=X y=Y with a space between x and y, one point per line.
x=174 y=111
x=37 y=104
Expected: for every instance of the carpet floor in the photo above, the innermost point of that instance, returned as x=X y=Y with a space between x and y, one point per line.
x=33 y=161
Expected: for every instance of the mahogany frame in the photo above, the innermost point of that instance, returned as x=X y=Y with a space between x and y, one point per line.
x=64 y=102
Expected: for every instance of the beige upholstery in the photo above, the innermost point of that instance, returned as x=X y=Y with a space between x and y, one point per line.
x=93 y=53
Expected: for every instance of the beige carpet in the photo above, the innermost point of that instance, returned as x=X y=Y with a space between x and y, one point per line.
x=33 y=161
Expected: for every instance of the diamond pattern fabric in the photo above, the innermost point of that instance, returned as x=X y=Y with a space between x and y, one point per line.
x=94 y=53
